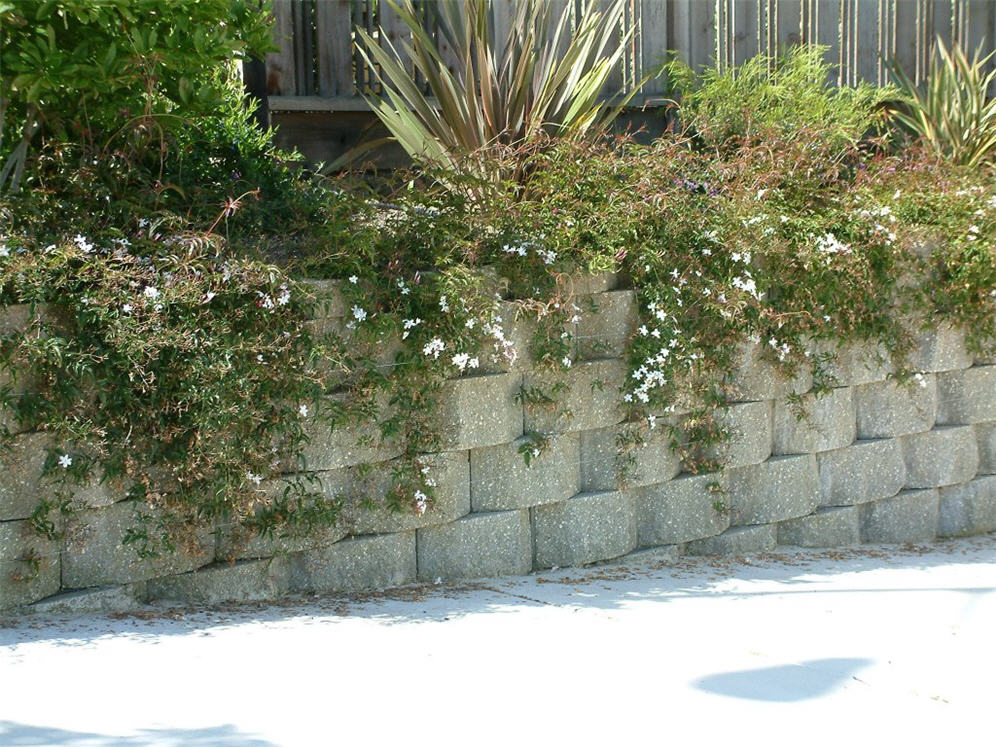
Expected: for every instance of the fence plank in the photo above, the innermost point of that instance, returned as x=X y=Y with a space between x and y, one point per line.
x=334 y=40
x=653 y=43
x=858 y=32
x=395 y=32
x=617 y=77
x=280 y=79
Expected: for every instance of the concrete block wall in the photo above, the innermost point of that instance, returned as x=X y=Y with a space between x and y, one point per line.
x=870 y=461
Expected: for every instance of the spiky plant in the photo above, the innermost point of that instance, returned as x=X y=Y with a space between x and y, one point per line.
x=953 y=113
x=542 y=78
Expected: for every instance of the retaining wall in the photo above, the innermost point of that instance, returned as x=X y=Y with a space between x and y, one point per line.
x=873 y=462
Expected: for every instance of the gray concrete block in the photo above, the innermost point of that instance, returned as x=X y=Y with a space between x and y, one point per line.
x=780 y=488
x=93 y=554
x=29 y=565
x=864 y=471
x=909 y=517
x=500 y=479
x=327 y=295
x=736 y=541
x=584 y=529
x=225 y=582
x=379 y=561
x=607 y=321
x=21 y=476
x=755 y=378
x=628 y=455
x=19 y=317
x=985 y=434
x=22 y=486
x=479 y=545
x=584 y=283
x=967 y=396
x=587 y=396
x=888 y=409
x=479 y=411
x=381 y=348
x=518 y=326
x=237 y=543
x=345 y=445
x=751 y=436
x=103 y=599
x=830 y=526
x=853 y=363
x=943 y=456
x=686 y=508
x=940 y=348
x=969 y=508
x=363 y=489
x=816 y=423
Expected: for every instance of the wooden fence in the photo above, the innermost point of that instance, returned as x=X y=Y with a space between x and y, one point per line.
x=318 y=67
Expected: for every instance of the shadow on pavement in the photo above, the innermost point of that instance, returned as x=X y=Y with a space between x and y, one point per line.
x=789 y=683
x=16 y=735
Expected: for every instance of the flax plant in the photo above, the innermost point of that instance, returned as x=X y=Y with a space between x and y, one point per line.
x=953 y=113
x=544 y=77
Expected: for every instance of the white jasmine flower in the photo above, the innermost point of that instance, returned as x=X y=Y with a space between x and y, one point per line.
x=126 y=308
x=255 y=479
x=303 y=411
x=359 y=314
x=434 y=347
x=443 y=305
x=548 y=256
x=353 y=279
x=460 y=360
x=566 y=361
x=421 y=502
x=65 y=461
x=150 y=292
x=830 y=244
x=84 y=246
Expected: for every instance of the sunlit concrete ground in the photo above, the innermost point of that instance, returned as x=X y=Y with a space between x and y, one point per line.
x=872 y=645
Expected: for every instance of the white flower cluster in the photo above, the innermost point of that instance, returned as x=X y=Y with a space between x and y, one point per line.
x=409 y=324
x=434 y=347
x=503 y=346
x=463 y=361
x=783 y=349
x=82 y=244
x=876 y=215
x=421 y=502
x=520 y=249
x=830 y=244
x=747 y=284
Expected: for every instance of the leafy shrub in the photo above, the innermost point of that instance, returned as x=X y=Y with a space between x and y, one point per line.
x=154 y=364
x=542 y=78
x=79 y=71
x=953 y=114
x=784 y=95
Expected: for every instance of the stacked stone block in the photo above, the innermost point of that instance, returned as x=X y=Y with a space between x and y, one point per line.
x=870 y=460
